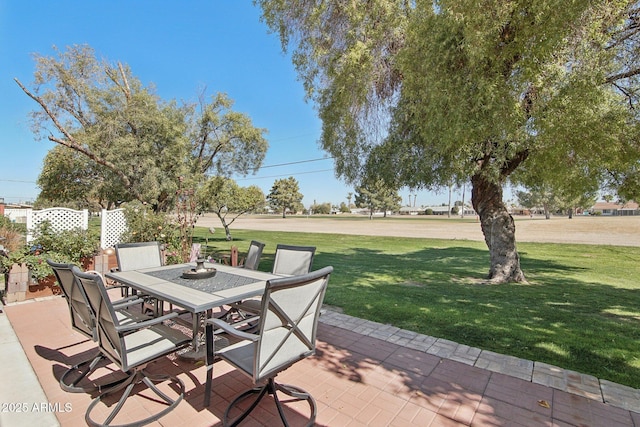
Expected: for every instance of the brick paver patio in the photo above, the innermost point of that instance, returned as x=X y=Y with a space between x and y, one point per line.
x=365 y=374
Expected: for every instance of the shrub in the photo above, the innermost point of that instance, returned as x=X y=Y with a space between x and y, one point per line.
x=69 y=246
x=11 y=235
x=144 y=225
x=72 y=245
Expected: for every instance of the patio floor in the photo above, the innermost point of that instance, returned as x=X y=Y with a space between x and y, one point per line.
x=364 y=374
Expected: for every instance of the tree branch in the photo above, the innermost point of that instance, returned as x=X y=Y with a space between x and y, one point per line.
x=625 y=75
x=70 y=141
x=513 y=163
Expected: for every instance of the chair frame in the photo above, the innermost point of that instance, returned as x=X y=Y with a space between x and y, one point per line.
x=83 y=321
x=250 y=308
x=112 y=343
x=258 y=372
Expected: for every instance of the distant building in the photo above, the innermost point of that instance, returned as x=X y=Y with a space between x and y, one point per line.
x=615 y=209
x=412 y=210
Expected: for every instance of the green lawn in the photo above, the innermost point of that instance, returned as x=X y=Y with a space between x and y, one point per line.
x=580 y=310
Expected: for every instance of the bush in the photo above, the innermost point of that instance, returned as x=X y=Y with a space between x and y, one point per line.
x=144 y=225
x=73 y=245
x=11 y=235
x=69 y=246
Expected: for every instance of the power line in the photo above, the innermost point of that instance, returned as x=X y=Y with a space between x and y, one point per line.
x=296 y=163
x=286 y=174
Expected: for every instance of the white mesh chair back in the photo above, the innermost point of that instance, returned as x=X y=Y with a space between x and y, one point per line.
x=293 y=260
x=135 y=256
x=253 y=255
x=288 y=322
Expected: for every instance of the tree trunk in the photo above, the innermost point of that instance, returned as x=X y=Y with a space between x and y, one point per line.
x=227 y=230
x=499 y=231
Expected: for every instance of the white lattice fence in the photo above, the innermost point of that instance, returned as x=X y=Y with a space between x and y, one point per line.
x=113 y=225
x=59 y=218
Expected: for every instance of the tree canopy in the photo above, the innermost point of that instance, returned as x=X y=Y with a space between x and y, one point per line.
x=224 y=197
x=377 y=196
x=130 y=136
x=285 y=195
x=71 y=179
x=424 y=94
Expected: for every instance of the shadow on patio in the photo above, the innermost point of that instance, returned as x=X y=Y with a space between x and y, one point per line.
x=357 y=379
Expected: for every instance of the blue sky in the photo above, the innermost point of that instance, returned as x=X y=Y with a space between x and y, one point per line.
x=179 y=47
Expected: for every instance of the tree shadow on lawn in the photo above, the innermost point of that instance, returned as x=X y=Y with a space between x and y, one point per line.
x=593 y=328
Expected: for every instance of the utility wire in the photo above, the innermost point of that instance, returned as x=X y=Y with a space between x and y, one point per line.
x=296 y=163
x=286 y=174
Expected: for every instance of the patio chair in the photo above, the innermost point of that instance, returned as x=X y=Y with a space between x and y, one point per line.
x=83 y=321
x=289 y=261
x=131 y=347
x=293 y=260
x=286 y=334
x=138 y=255
x=252 y=260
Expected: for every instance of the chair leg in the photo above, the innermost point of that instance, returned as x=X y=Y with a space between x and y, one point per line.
x=134 y=379
x=271 y=388
x=260 y=391
x=298 y=394
x=90 y=365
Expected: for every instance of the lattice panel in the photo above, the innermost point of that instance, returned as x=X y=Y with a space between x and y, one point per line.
x=113 y=225
x=59 y=218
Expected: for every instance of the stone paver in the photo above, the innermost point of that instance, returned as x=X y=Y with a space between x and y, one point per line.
x=572 y=382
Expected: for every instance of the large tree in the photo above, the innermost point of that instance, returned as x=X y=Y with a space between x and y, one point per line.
x=103 y=112
x=427 y=93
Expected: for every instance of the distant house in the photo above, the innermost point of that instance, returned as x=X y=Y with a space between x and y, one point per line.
x=16 y=213
x=615 y=209
x=411 y=210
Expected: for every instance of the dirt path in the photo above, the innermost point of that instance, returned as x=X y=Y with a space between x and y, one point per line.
x=622 y=231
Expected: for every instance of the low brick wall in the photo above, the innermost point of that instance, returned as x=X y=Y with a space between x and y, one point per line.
x=19 y=286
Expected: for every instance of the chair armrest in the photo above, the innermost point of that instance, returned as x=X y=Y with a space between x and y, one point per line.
x=231 y=330
x=144 y=324
x=126 y=302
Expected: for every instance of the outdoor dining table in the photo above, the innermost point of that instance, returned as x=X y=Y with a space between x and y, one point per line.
x=197 y=296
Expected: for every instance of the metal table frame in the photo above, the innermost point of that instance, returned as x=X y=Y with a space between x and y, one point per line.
x=193 y=300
